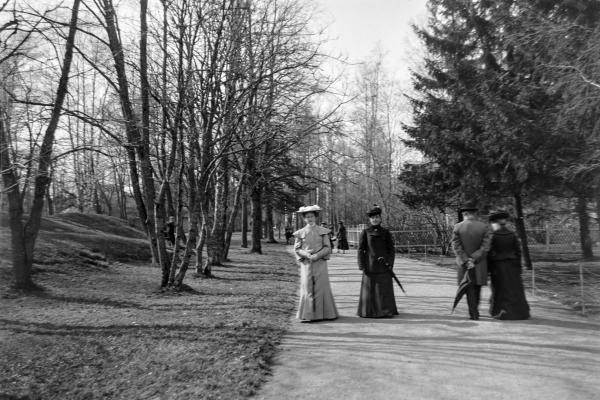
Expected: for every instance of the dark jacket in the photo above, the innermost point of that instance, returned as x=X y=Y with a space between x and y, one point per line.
x=375 y=242
x=505 y=246
x=472 y=239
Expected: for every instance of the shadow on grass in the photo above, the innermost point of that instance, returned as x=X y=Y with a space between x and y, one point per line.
x=87 y=300
x=235 y=333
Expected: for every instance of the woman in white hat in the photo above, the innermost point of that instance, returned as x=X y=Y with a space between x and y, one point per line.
x=312 y=248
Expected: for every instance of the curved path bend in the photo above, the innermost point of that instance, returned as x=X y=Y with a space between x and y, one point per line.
x=426 y=353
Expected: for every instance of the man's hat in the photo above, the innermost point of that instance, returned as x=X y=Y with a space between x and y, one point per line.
x=495 y=216
x=376 y=210
x=469 y=206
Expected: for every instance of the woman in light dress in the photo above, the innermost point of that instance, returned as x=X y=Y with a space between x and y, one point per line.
x=312 y=248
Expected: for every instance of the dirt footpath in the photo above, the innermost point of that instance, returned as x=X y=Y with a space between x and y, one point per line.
x=426 y=353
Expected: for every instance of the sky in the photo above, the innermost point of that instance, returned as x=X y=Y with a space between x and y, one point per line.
x=357 y=27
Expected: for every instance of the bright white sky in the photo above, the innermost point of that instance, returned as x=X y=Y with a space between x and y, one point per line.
x=357 y=27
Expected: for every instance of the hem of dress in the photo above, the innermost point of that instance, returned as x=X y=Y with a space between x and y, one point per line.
x=320 y=319
x=378 y=316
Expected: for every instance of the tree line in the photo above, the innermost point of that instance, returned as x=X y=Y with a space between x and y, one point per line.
x=199 y=109
x=505 y=109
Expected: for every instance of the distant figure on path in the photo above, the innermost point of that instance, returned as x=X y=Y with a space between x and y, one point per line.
x=504 y=262
x=377 y=288
x=170 y=230
x=471 y=242
x=312 y=248
x=288 y=235
x=342 y=237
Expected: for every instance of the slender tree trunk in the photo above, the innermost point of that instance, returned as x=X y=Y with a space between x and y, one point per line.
x=215 y=246
x=50 y=202
x=269 y=220
x=256 y=198
x=584 y=228
x=21 y=265
x=200 y=248
x=520 y=225
x=245 y=219
x=598 y=209
x=233 y=216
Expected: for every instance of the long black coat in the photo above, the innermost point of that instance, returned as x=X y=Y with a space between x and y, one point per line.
x=377 y=287
x=504 y=262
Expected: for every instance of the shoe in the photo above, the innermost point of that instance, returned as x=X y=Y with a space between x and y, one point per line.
x=474 y=318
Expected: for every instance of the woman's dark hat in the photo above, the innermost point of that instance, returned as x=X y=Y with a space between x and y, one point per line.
x=498 y=216
x=374 y=211
x=469 y=206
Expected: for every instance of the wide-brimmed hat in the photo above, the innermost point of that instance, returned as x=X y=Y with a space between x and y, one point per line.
x=469 y=206
x=376 y=210
x=498 y=215
x=305 y=209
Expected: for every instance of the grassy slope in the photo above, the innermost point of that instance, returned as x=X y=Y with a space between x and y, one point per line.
x=105 y=332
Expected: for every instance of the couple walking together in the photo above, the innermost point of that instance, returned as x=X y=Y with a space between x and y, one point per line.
x=496 y=251
x=312 y=247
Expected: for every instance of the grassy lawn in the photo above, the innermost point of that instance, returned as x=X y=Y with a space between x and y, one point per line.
x=103 y=330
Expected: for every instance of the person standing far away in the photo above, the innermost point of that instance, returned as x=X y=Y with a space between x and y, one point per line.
x=312 y=248
x=504 y=261
x=170 y=230
x=377 y=288
x=471 y=241
x=342 y=237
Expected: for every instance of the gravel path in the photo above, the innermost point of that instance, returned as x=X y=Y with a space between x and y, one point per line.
x=426 y=353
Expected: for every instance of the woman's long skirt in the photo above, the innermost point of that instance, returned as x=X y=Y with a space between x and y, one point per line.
x=343 y=244
x=377 y=296
x=508 y=295
x=316 y=298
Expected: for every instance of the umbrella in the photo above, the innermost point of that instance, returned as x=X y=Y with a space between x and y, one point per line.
x=389 y=269
x=463 y=286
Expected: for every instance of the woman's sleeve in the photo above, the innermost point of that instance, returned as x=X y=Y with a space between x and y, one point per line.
x=391 y=249
x=300 y=253
x=363 y=250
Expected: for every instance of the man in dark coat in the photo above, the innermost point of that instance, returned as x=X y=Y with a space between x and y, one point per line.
x=471 y=240
x=377 y=288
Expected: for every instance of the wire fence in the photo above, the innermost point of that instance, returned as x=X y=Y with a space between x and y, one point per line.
x=432 y=241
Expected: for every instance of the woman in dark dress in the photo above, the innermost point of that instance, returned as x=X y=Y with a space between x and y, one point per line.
x=342 y=237
x=377 y=289
x=504 y=261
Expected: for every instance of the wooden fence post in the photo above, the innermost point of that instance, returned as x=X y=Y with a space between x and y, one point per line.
x=582 y=292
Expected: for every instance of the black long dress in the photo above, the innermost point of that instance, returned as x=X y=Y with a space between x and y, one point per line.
x=377 y=288
x=504 y=261
x=342 y=238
